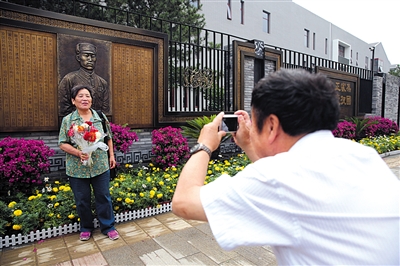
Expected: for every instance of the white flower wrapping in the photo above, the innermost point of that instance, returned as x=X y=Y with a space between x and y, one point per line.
x=87 y=138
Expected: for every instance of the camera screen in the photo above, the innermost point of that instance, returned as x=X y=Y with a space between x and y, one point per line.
x=229 y=124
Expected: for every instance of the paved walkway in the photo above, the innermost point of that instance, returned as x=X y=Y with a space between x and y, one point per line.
x=164 y=239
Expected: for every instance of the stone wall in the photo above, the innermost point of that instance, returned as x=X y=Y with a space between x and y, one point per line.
x=388 y=85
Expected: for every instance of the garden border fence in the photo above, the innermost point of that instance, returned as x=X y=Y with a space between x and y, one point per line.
x=13 y=240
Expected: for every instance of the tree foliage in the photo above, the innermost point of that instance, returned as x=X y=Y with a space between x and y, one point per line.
x=395 y=72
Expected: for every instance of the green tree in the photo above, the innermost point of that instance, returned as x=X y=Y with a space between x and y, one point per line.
x=395 y=72
x=179 y=19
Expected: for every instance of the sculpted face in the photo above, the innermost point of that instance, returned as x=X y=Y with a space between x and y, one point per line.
x=87 y=59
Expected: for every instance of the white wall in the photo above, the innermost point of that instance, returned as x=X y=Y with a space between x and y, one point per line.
x=287 y=23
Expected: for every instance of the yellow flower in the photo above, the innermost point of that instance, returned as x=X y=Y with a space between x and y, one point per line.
x=17 y=212
x=55 y=189
x=73 y=206
x=11 y=204
x=16 y=227
x=58 y=216
x=141 y=194
x=116 y=185
x=61 y=188
x=158 y=206
x=159 y=195
x=67 y=189
x=151 y=164
x=173 y=169
x=116 y=208
x=56 y=204
x=209 y=172
x=57 y=182
x=119 y=199
x=31 y=198
x=148 y=179
x=161 y=183
x=51 y=214
x=39 y=195
x=71 y=216
x=52 y=197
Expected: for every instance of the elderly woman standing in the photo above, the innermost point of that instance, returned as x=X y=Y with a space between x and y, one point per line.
x=83 y=177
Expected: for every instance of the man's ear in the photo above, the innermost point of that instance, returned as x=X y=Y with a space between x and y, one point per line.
x=272 y=125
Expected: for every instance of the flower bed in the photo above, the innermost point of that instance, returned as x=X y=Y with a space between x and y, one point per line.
x=37 y=235
x=136 y=192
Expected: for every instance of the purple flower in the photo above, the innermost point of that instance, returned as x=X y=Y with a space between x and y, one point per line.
x=22 y=162
x=123 y=137
x=170 y=148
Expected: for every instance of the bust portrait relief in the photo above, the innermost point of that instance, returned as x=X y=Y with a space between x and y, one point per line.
x=86 y=59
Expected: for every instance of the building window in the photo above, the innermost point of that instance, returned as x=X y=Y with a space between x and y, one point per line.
x=341 y=50
x=313 y=41
x=326 y=45
x=306 y=38
x=366 y=62
x=229 y=10
x=357 y=56
x=266 y=21
x=351 y=56
x=242 y=11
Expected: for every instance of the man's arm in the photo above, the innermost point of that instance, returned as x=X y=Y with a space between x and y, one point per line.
x=186 y=202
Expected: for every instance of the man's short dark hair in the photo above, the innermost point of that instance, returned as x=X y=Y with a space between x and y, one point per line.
x=77 y=88
x=302 y=101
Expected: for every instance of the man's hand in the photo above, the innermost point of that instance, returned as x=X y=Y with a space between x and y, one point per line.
x=242 y=135
x=210 y=135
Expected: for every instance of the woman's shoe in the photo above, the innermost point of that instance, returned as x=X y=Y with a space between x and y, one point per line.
x=84 y=236
x=113 y=234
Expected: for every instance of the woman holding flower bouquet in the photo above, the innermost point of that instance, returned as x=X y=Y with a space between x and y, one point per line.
x=87 y=162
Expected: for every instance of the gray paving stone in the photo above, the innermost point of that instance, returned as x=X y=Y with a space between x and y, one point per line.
x=197 y=259
x=158 y=257
x=257 y=255
x=122 y=256
x=176 y=246
x=144 y=247
x=206 y=244
x=237 y=261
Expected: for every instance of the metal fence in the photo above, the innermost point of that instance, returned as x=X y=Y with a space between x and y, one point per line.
x=199 y=63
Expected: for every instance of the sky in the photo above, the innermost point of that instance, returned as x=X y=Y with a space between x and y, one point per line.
x=369 y=20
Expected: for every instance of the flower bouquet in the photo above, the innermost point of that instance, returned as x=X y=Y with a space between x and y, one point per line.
x=87 y=137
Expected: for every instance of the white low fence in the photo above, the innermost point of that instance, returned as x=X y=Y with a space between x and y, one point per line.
x=19 y=239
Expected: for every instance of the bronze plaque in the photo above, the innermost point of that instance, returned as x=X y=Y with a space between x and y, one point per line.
x=348 y=86
x=28 y=80
x=133 y=87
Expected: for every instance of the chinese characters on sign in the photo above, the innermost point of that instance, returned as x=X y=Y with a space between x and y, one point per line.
x=345 y=92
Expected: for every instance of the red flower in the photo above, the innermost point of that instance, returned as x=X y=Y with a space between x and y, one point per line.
x=90 y=136
x=89 y=123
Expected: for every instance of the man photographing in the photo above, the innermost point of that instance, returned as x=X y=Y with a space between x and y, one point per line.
x=314 y=198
